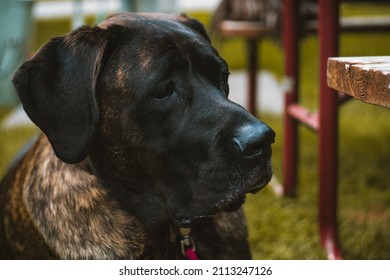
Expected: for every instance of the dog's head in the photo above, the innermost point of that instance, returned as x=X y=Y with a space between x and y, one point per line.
x=144 y=99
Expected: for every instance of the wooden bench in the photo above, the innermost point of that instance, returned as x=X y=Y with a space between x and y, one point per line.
x=364 y=78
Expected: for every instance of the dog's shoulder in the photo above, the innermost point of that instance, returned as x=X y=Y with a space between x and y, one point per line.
x=67 y=209
x=16 y=225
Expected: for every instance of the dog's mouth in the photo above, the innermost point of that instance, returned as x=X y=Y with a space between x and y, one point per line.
x=236 y=200
x=235 y=205
x=232 y=201
x=260 y=183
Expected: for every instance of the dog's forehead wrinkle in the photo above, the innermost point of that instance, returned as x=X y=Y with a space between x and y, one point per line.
x=157 y=55
x=145 y=61
x=182 y=47
x=121 y=77
x=165 y=34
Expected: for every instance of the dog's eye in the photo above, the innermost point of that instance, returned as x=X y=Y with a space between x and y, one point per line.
x=166 y=90
x=224 y=82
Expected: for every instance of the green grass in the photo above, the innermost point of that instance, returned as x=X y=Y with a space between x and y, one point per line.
x=286 y=228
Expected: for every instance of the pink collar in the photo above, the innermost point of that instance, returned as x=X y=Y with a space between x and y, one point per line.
x=187 y=244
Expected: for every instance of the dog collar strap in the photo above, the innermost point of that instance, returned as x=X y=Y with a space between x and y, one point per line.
x=187 y=244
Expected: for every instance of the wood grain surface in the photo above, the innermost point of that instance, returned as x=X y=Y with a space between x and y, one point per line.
x=364 y=78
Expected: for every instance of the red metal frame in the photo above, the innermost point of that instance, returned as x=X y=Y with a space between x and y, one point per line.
x=290 y=43
x=325 y=123
x=328 y=133
x=252 y=74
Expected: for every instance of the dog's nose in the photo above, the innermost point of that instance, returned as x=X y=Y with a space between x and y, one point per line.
x=252 y=140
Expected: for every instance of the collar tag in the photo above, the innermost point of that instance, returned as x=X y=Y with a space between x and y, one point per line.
x=187 y=244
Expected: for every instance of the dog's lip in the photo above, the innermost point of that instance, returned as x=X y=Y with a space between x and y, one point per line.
x=235 y=205
x=260 y=183
x=253 y=187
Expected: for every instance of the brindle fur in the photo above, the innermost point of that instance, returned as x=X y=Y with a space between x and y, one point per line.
x=113 y=177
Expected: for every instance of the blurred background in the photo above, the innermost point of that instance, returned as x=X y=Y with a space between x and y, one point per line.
x=280 y=227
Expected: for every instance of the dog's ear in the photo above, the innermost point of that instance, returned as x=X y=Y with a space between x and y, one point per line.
x=57 y=88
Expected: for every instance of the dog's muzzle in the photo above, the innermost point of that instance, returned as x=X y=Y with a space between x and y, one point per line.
x=252 y=147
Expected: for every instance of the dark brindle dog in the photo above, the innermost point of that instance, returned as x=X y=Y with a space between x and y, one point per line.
x=140 y=141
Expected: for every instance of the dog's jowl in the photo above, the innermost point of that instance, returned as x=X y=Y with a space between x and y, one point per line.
x=140 y=141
